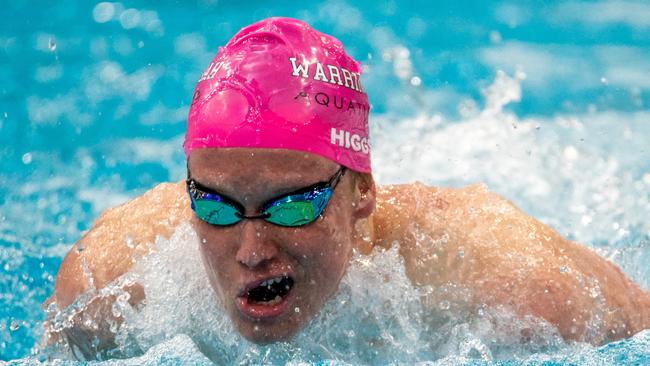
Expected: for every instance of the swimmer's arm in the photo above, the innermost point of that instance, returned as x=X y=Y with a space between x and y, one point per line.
x=474 y=238
x=520 y=262
x=106 y=252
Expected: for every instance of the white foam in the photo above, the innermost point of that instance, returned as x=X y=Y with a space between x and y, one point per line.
x=377 y=316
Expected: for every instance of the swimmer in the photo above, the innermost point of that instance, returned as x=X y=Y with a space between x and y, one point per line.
x=279 y=190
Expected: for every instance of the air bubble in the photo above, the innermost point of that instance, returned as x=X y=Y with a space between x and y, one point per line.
x=297 y=309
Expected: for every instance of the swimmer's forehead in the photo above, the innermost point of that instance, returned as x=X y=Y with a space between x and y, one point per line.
x=233 y=170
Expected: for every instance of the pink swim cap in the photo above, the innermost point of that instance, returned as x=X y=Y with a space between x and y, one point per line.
x=278 y=83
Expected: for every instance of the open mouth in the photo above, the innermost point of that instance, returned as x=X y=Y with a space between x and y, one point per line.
x=267 y=298
x=271 y=291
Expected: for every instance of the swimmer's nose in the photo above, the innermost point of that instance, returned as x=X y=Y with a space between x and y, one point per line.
x=255 y=248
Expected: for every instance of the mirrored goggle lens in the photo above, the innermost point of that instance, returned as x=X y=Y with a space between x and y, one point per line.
x=215 y=212
x=298 y=210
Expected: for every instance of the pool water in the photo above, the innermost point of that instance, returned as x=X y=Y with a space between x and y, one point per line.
x=545 y=104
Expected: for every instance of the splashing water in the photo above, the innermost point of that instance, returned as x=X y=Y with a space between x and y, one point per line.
x=377 y=316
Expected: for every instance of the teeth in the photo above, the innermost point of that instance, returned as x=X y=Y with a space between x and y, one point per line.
x=271 y=302
x=270 y=282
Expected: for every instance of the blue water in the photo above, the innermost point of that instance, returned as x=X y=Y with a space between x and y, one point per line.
x=93 y=99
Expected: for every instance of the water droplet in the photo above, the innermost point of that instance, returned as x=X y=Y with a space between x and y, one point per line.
x=444 y=305
x=27 y=158
x=51 y=44
x=203 y=241
x=129 y=242
x=88 y=322
x=14 y=326
x=563 y=269
x=297 y=309
x=103 y=12
x=416 y=81
x=130 y=18
x=51 y=308
x=495 y=37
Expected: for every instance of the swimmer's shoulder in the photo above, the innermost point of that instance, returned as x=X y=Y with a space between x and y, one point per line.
x=418 y=216
x=403 y=206
x=479 y=240
x=119 y=236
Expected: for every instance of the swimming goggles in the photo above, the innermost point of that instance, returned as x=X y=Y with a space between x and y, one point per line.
x=296 y=208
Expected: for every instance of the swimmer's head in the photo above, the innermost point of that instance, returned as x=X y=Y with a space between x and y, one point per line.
x=280 y=84
x=274 y=118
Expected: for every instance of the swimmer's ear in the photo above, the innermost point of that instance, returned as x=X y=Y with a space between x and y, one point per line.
x=364 y=195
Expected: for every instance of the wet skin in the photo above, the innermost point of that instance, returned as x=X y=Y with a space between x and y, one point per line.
x=509 y=258
x=315 y=256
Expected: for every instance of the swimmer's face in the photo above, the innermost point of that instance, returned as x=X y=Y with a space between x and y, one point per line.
x=273 y=279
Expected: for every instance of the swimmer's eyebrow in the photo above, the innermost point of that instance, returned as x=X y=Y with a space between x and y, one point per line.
x=204 y=187
x=276 y=193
